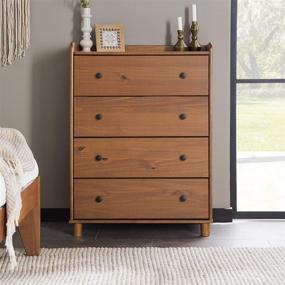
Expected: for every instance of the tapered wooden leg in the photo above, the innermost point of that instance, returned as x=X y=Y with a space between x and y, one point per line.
x=29 y=229
x=205 y=230
x=77 y=230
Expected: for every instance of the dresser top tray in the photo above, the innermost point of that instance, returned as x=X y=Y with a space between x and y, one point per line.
x=146 y=50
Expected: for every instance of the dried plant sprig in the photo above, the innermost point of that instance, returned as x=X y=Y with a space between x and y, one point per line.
x=84 y=3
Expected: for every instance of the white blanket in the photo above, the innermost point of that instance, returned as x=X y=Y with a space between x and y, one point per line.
x=27 y=179
x=16 y=159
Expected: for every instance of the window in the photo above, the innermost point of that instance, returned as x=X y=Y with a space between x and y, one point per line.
x=258 y=108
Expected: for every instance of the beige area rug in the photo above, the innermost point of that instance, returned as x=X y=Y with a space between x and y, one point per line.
x=152 y=265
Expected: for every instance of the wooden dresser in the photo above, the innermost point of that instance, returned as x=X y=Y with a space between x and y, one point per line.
x=140 y=135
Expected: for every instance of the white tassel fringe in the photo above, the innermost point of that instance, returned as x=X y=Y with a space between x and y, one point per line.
x=14 y=30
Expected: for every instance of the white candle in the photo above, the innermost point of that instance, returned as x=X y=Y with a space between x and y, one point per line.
x=180 y=26
x=194 y=14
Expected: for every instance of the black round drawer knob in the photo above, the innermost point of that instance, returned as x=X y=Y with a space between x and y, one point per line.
x=98 y=199
x=98 y=157
x=98 y=75
x=183 y=75
x=183 y=157
x=182 y=116
x=182 y=198
x=98 y=117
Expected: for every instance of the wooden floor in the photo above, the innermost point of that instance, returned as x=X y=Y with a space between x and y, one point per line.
x=241 y=233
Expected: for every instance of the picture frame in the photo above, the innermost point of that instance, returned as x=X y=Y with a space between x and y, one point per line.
x=110 y=38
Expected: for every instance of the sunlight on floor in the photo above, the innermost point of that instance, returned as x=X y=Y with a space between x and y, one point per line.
x=261 y=181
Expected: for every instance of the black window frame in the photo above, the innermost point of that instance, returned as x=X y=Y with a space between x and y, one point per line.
x=233 y=151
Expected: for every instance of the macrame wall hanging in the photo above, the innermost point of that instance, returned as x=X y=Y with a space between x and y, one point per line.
x=14 y=29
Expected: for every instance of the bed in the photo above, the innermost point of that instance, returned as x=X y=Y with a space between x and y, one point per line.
x=29 y=223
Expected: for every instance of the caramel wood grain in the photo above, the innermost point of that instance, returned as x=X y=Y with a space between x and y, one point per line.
x=30 y=219
x=71 y=124
x=140 y=75
x=138 y=95
x=77 y=230
x=144 y=157
x=30 y=198
x=29 y=230
x=140 y=198
x=2 y=223
x=137 y=116
x=144 y=50
x=210 y=109
x=205 y=229
x=141 y=221
x=29 y=222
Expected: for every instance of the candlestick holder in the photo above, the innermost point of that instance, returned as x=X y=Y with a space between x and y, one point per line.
x=180 y=45
x=194 y=44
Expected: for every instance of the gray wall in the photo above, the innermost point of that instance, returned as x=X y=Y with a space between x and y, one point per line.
x=34 y=91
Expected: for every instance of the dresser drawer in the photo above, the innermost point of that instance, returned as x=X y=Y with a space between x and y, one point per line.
x=137 y=116
x=141 y=199
x=141 y=75
x=144 y=157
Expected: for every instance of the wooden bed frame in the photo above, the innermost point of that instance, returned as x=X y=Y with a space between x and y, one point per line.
x=29 y=223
